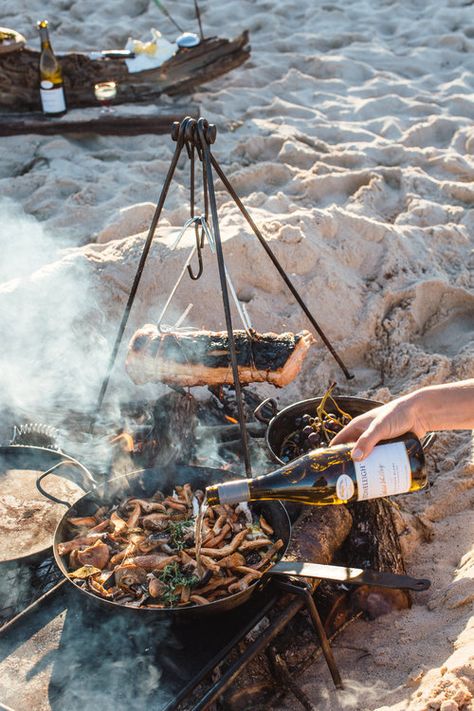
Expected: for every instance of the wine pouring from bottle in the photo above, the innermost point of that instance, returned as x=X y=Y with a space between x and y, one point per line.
x=53 y=100
x=330 y=476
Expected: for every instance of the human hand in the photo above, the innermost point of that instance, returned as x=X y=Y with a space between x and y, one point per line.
x=384 y=422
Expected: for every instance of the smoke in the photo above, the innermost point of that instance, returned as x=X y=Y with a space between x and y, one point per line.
x=50 y=318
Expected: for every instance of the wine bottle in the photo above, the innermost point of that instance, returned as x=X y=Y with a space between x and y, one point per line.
x=330 y=476
x=53 y=100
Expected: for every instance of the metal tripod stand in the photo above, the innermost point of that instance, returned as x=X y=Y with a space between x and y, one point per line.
x=197 y=136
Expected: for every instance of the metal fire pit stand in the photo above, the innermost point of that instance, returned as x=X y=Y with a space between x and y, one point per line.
x=198 y=136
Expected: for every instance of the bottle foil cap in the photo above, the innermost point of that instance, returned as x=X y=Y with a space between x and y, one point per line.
x=233 y=492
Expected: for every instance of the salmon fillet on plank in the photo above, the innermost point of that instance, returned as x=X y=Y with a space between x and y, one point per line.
x=190 y=358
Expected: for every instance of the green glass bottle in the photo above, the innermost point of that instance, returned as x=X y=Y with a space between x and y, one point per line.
x=330 y=476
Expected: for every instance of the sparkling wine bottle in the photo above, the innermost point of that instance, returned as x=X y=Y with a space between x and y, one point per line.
x=52 y=95
x=330 y=476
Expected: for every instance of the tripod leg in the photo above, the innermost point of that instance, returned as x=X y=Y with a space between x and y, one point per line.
x=279 y=268
x=136 y=281
x=225 y=295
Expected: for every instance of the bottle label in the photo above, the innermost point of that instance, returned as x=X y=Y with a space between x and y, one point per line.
x=384 y=472
x=52 y=100
x=344 y=487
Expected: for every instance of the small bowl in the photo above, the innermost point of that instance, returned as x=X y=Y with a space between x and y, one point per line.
x=11 y=45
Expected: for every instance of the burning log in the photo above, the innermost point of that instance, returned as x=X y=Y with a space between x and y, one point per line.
x=203 y=357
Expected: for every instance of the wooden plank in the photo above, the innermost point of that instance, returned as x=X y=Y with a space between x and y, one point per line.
x=181 y=74
x=103 y=124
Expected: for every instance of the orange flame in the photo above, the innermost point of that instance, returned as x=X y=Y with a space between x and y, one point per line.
x=126 y=439
x=231 y=419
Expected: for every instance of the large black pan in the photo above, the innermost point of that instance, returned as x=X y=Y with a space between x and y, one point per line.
x=27 y=528
x=143 y=484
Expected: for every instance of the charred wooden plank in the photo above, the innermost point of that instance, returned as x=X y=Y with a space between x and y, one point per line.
x=203 y=357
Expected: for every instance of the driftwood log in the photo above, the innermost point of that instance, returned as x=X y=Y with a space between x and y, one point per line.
x=181 y=74
x=14 y=124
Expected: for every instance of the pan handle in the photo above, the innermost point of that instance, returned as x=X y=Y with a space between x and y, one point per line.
x=350 y=576
x=269 y=402
x=89 y=479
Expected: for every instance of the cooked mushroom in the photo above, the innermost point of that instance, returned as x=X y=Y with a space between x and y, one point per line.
x=152 y=562
x=268 y=555
x=119 y=525
x=79 y=542
x=97 y=555
x=134 y=516
x=156 y=587
x=149 y=506
x=232 y=561
x=156 y=521
x=129 y=574
x=82 y=521
x=265 y=526
x=243 y=584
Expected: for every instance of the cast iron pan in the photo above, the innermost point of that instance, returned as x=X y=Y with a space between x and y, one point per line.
x=143 y=484
x=27 y=521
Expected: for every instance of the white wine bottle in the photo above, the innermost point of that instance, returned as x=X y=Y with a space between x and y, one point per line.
x=330 y=476
x=53 y=100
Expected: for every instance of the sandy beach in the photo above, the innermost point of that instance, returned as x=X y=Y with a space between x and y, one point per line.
x=349 y=136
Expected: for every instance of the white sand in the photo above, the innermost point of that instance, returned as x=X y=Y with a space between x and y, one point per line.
x=349 y=136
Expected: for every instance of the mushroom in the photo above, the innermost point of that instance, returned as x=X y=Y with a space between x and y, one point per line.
x=97 y=555
x=82 y=521
x=119 y=525
x=79 y=542
x=198 y=599
x=246 y=570
x=156 y=587
x=253 y=545
x=232 y=561
x=265 y=526
x=173 y=504
x=243 y=583
x=156 y=521
x=149 y=506
x=225 y=550
x=134 y=516
x=129 y=574
x=215 y=540
x=215 y=583
x=217 y=528
x=152 y=562
x=268 y=555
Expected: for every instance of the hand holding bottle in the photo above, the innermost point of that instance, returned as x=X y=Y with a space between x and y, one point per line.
x=436 y=407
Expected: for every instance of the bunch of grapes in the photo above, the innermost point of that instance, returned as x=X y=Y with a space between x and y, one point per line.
x=314 y=431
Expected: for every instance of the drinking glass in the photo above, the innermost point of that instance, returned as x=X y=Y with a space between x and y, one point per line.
x=104 y=92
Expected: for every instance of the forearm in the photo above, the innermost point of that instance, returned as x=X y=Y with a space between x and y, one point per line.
x=444 y=407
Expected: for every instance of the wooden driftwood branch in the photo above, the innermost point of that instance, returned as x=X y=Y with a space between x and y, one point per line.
x=12 y=124
x=189 y=68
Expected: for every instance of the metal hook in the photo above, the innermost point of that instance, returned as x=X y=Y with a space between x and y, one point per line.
x=197 y=276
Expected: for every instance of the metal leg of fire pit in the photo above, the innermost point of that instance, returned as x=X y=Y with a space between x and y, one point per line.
x=306 y=592
x=252 y=651
x=31 y=608
x=304 y=598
